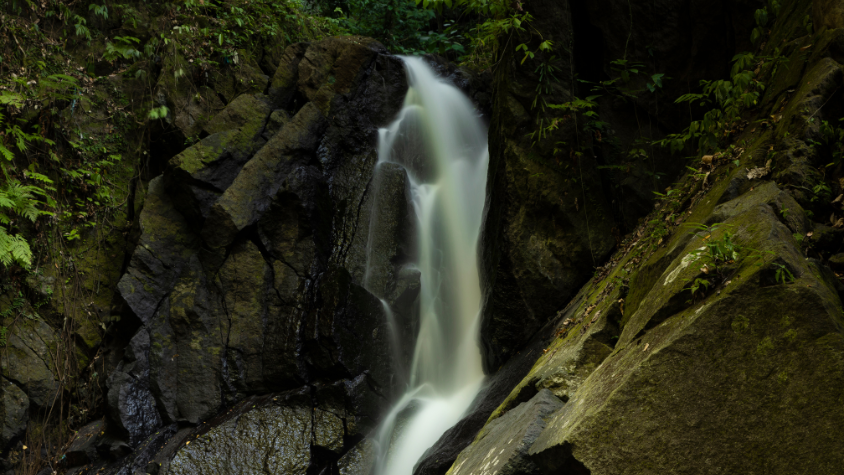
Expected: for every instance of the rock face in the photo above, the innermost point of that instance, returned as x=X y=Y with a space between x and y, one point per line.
x=827 y=14
x=554 y=214
x=520 y=427
x=27 y=362
x=274 y=438
x=745 y=360
x=250 y=275
x=129 y=397
x=15 y=414
x=660 y=378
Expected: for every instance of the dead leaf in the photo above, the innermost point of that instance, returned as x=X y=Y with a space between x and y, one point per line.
x=595 y=318
x=839 y=199
x=707 y=159
x=839 y=223
x=809 y=234
x=756 y=173
x=806 y=47
x=647 y=345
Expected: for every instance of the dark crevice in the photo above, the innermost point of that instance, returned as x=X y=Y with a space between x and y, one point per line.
x=559 y=460
x=347 y=239
x=588 y=44
x=130 y=218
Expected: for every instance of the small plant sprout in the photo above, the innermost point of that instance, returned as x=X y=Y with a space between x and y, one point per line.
x=782 y=275
x=698 y=287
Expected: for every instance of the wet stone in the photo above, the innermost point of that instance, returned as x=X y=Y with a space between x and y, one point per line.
x=265 y=440
x=359 y=460
x=502 y=447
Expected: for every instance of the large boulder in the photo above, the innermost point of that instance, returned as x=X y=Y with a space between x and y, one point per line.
x=249 y=195
x=688 y=384
x=660 y=378
x=187 y=349
x=274 y=438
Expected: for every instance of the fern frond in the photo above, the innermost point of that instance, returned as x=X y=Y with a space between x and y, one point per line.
x=20 y=199
x=14 y=249
x=7 y=154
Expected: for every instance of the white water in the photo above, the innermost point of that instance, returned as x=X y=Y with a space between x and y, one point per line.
x=440 y=141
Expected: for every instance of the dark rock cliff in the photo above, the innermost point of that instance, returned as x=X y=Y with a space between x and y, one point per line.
x=248 y=276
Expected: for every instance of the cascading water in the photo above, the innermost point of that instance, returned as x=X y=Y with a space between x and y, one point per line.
x=442 y=144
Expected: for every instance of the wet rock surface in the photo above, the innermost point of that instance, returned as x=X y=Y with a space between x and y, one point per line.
x=129 y=397
x=250 y=278
x=266 y=440
x=519 y=428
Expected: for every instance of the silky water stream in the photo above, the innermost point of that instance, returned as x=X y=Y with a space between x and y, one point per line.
x=441 y=142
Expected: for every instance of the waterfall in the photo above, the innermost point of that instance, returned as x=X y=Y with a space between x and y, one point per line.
x=441 y=142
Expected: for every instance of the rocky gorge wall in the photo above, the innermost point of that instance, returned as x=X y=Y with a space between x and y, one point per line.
x=641 y=372
x=252 y=337
x=248 y=275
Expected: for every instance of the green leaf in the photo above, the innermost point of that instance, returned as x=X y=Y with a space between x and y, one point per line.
x=761 y=16
x=7 y=154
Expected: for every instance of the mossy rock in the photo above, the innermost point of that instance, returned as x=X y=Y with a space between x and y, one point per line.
x=165 y=246
x=240 y=204
x=190 y=107
x=199 y=175
x=691 y=378
x=244 y=75
x=28 y=360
